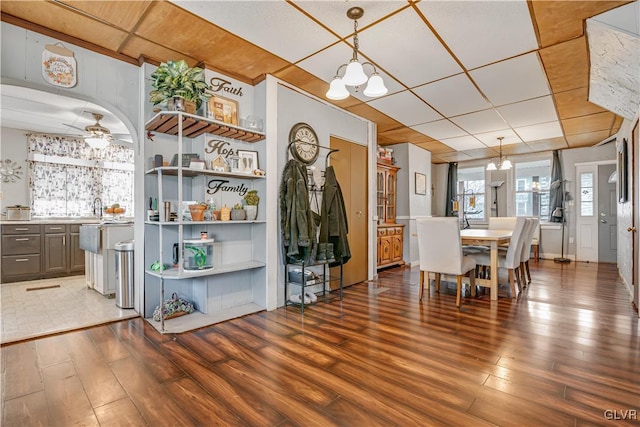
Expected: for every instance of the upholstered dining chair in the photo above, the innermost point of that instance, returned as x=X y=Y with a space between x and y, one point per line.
x=525 y=256
x=440 y=252
x=509 y=259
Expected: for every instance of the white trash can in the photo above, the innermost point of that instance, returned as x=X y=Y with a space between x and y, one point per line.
x=124 y=273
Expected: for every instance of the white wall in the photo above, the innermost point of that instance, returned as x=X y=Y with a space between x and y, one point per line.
x=13 y=146
x=411 y=159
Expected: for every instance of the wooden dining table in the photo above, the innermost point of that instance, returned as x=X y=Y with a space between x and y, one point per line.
x=492 y=239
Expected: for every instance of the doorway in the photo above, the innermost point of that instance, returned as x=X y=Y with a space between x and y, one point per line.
x=596 y=213
x=350 y=165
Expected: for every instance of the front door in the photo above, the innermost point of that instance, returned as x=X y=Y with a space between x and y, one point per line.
x=607 y=215
x=586 y=205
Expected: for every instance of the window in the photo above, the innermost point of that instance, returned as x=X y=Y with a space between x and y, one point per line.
x=471 y=194
x=67 y=175
x=532 y=181
x=586 y=194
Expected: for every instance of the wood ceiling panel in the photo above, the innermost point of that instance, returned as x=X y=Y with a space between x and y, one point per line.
x=122 y=14
x=383 y=121
x=616 y=124
x=304 y=80
x=406 y=135
x=60 y=19
x=591 y=123
x=454 y=156
x=198 y=38
x=136 y=46
x=567 y=65
x=435 y=147
x=563 y=20
x=587 y=139
x=574 y=103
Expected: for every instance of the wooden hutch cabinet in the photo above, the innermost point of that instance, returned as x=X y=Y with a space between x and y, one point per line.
x=390 y=234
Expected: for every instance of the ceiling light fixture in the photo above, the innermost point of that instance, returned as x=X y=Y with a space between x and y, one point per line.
x=503 y=164
x=354 y=74
x=97 y=142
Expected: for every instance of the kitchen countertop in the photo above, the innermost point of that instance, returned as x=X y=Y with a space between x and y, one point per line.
x=72 y=220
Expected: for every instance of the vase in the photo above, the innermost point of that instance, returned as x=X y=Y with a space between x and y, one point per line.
x=197 y=212
x=252 y=212
x=178 y=103
x=237 y=214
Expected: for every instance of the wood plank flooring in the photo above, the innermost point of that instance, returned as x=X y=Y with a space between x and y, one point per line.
x=565 y=353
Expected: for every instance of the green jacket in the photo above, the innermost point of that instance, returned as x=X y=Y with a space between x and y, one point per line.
x=333 y=219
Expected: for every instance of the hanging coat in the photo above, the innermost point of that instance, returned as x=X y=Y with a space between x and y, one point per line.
x=333 y=219
x=297 y=227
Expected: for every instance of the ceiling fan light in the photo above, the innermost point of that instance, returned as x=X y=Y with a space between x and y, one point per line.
x=506 y=165
x=337 y=90
x=375 y=87
x=354 y=75
x=97 y=143
x=492 y=166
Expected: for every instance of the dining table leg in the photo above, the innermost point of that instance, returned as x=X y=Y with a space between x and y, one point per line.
x=494 y=270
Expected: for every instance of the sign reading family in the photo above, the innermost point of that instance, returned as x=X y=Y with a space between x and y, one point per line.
x=216 y=185
x=220 y=85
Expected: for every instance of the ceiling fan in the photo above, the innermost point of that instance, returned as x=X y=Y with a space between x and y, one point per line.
x=97 y=136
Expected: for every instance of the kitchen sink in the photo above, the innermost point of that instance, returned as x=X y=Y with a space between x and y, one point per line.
x=90 y=238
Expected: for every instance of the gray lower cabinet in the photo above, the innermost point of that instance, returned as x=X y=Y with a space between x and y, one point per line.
x=35 y=251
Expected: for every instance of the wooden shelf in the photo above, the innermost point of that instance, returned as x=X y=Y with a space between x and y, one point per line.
x=188 y=172
x=175 y=274
x=194 y=126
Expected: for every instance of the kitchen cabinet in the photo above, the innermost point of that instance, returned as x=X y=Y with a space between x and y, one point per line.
x=37 y=251
x=236 y=285
x=390 y=235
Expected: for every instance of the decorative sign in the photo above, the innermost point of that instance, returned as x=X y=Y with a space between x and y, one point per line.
x=219 y=85
x=59 y=66
x=216 y=185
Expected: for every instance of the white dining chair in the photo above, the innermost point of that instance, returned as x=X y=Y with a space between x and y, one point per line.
x=525 y=256
x=440 y=252
x=509 y=259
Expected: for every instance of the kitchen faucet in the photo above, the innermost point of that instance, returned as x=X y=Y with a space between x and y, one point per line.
x=97 y=207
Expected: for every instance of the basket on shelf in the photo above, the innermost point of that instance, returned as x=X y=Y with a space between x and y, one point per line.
x=173 y=307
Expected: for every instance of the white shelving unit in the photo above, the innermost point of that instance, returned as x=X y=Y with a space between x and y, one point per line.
x=236 y=285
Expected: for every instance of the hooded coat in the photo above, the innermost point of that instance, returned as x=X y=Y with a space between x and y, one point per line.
x=333 y=219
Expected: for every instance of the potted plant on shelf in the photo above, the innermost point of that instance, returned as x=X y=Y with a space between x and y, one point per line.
x=179 y=86
x=238 y=213
x=251 y=200
x=197 y=211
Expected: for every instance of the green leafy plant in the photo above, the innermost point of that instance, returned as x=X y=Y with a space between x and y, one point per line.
x=176 y=78
x=199 y=256
x=237 y=206
x=252 y=198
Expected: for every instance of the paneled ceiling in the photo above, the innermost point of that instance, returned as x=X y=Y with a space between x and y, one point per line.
x=460 y=73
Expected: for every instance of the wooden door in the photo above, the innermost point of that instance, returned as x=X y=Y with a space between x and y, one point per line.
x=350 y=165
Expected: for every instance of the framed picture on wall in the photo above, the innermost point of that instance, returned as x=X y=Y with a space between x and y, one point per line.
x=623 y=183
x=248 y=161
x=223 y=110
x=421 y=183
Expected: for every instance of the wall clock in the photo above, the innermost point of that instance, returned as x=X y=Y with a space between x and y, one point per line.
x=9 y=171
x=304 y=143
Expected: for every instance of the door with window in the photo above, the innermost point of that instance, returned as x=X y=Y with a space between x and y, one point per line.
x=586 y=213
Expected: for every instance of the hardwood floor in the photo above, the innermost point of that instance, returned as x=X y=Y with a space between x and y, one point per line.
x=565 y=353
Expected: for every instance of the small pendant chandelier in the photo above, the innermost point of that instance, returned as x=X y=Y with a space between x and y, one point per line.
x=504 y=164
x=354 y=74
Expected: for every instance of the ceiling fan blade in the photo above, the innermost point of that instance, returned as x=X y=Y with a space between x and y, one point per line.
x=75 y=127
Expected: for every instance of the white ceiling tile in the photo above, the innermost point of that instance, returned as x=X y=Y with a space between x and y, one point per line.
x=481 y=121
x=275 y=26
x=541 y=131
x=414 y=55
x=406 y=108
x=325 y=64
x=513 y=80
x=334 y=14
x=490 y=139
x=482 y=32
x=439 y=129
x=534 y=111
x=453 y=96
x=463 y=143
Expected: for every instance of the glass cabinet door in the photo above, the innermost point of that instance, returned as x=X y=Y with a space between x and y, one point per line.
x=380 y=197
x=391 y=198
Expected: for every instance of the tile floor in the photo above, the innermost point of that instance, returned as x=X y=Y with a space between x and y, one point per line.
x=29 y=314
